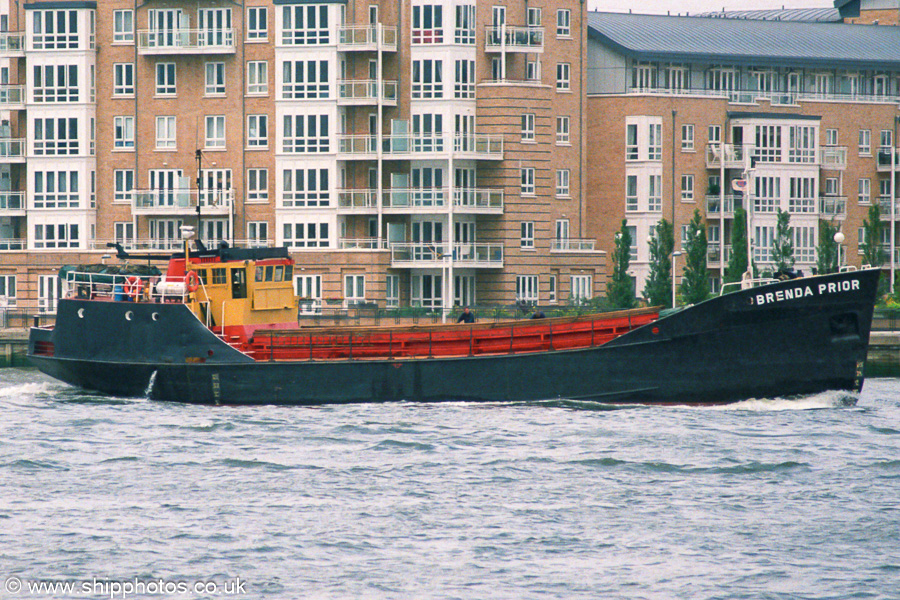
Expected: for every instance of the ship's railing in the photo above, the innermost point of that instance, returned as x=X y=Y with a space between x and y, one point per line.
x=125 y=287
x=745 y=284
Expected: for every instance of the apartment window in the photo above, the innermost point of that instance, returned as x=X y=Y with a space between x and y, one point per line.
x=258 y=234
x=354 y=289
x=392 y=286
x=124 y=185
x=533 y=70
x=528 y=127
x=527 y=179
x=55 y=83
x=56 y=189
x=305 y=25
x=687 y=138
x=864 y=189
x=714 y=133
x=533 y=18
x=675 y=78
x=884 y=189
x=654 y=149
x=257 y=23
x=803 y=195
x=887 y=139
x=563 y=76
x=562 y=131
x=802 y=145
x=865 y=141
x=768 y=143
x=465 y=25
x=257 y=185
x=766 y=194
x=306 y=235
x=305 y=133
x=687 y=188
x=123 y=79
x=527 y=288
x=427 y=24
x=55 y=29
x=563 y=22
x=631 y=193
x=124 y=132
x=215 y=131
x=582 y=287
x=56 y=136
x=304 y=79
x=427 y=79
x=257 y=131
x=305 y=188
x=527 y=237
x=551 y=290
x=165 y=79
x=123 y=26
x=124 y=234
x=831 y=137
x=7 y=290
x=215 y=79
x=61 y=235
x=631 y=141
x=497 y=73
x=562 y=183
x=465 y=79
x=165 y=133
x=654 y=197
x=257 y=77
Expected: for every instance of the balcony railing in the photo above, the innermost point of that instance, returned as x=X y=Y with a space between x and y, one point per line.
x=572 y=245
x=12 y=148
x=7 y=244
x=514 y=39
x=362 y=244
x=366 y=37
x=833 y=157
x=833 y=206
x=437 y=254
x=12 y=202
x=365 y=91
x=486 y=147
x=884 y=205
x=884 y=159
x=12 y=97
x=12 y=44
x=186 y=41
x=714 y=204
x=776 y=98
x=732 y=154
x=182 y=201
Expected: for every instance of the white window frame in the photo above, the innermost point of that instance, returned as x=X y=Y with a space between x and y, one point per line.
x=215 y=137
x=582 y=288
x=526 y=240
x=258 y=234
x=564 y=23
x=527 y=178
x=166 y=79
x=123 y=132
x=56 y=236
x=257 y=77
x=562 y=130
x=123 y=26
x=354 y=289
x=865 y=142
x=305 y=25
x=305 y=79
x=302 y=234
x=687 y=137
x=563 y=77
x=123 y=185
x=166 y=132
x=864 y=190
x=257 y=185
x=563 y=178
x=123 y=79
x=257 y=23
x=257 y=131
x=527 y=289
x=214 y=78
x=305 y=187
x=528 y=128
x=687 y=187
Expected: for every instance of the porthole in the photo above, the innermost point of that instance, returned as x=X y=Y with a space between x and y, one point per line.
x=80 y=313
x=155 y=316
x=129 y=315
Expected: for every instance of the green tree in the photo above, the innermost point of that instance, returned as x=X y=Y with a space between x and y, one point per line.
x=873 y=227
x=737 y=262
x=827 y=259
x=657 y=290
x=782 y=245
x=620 y=290
x=695 y=281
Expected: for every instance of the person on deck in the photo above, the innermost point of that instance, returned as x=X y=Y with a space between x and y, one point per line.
x=466 y=316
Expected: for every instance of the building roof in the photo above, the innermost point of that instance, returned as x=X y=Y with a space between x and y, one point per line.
x=811 y=15
x=757 y=42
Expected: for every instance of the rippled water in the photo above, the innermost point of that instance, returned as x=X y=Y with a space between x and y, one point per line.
x=764 y=499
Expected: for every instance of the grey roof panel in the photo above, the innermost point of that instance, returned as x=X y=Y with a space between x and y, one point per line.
x=813 y=15
x=656 y=37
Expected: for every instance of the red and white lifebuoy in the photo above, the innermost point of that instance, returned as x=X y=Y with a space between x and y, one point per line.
x=191 y=281
x=133 y=287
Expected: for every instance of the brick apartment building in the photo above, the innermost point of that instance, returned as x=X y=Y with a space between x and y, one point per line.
x=430 y=153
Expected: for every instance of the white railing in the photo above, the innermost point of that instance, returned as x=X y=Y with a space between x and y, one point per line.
x=884 y=205
x=12 y=148
x=175 y=199
x=435 y=254
x=12 y=201
x=12 y=95
x=465 y=199
x=753 y=96
x=732 y=154
x=713 y=204
x=479 y=145
x=833 y=206
x=366 y=90
x=125 y=287
x=366 y=36
x=746 y=284
x=833 y=157
x=572 y=245
x=7 y=244
x=186 y=40
x=362 y=244
x=12 y=42
x=507 y=37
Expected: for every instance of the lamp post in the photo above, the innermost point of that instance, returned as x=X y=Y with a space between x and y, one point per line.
x=839 y=239
x=675 y=256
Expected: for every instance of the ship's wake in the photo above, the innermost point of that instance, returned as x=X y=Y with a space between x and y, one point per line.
x=822 y=400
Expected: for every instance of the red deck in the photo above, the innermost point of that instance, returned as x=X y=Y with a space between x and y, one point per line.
x=537 y=335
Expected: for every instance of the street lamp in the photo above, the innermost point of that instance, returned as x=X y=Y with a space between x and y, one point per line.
x=839 y=239
x=675 y=256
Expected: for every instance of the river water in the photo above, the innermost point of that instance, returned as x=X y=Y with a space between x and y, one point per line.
x=765 y=499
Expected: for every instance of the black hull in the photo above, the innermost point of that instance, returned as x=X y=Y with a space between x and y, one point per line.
x=786 y=339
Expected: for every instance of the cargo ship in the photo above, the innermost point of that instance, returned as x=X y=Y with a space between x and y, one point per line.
x=221 y=327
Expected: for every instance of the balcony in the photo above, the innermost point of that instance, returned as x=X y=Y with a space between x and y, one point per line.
x=12 y=44
x=182 y=202
x=367 y=38
x=12 y=204
x=884 y=160
x=185 y=41
x=12 y=97
x=506 y=38
x=364 y=92
x=362 y=244
x=714 y=256
x=732 y=155
x=754 y=96
x=884 y=205
x=421 y=146
x=833 y=157
x=421 y=200
x=572 y=245
x=12 y=150
x=714 y=204
x=12 y=244
x=833 y=207
x=437 y=255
